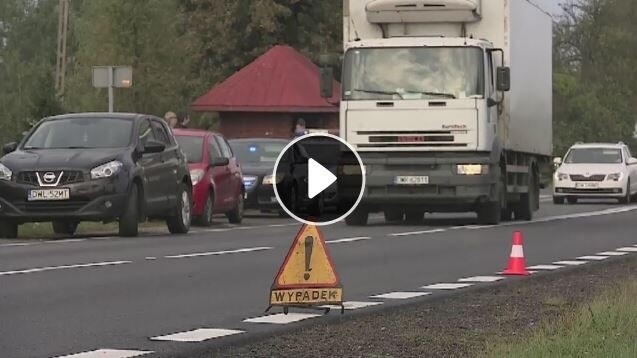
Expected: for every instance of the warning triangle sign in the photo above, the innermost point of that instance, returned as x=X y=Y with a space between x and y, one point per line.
x=308 y=263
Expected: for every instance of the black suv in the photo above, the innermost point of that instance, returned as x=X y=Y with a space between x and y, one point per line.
x=95 y=167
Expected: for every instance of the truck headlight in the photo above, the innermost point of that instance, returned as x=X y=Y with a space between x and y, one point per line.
x=270 y=180
x=5 y=173
x=196 y=176
x=561 y=176
x=106 y=170
x=351 y=170
x=614 y=176
x=473 y=169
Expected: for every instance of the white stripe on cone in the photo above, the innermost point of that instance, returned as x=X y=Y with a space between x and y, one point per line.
x=517 y=251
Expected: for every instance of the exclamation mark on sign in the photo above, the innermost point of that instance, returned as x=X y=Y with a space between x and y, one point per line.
x=309 y=244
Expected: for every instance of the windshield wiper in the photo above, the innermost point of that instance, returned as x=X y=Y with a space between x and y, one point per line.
x=372 y=91
x=435 y=94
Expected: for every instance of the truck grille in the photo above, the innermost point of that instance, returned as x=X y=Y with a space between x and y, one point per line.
x=404 y=139
x=68 y=177
x=597 y=177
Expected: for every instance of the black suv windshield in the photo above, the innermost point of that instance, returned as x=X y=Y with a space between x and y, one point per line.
x=257 y=152
x=70 y=133
x=594 y=156
x=192 y=147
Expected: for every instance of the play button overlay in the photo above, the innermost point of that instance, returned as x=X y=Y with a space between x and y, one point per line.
x=318 y=179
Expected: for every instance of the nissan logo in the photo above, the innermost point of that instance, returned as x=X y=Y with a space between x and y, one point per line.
x=49 y=177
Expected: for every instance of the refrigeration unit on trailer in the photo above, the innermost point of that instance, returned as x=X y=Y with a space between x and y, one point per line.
x=449 y=104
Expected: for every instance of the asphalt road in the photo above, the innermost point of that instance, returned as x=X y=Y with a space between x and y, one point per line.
x=64 y=297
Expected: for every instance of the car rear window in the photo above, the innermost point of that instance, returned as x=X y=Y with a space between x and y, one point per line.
x=192 y=147
x=70 y=133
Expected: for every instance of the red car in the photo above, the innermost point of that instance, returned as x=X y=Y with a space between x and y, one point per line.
x=216 y=176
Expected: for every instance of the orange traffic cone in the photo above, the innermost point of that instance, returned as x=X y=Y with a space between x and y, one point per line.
x=517 y=264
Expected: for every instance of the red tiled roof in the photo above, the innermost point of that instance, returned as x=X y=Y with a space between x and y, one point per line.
x=281 y=80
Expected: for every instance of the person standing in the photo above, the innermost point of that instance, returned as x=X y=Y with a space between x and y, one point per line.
x=183 y=120
x=300 y=129
x=171 y=119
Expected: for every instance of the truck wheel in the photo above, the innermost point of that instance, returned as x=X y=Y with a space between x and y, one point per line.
x=558 y=200
x=64 y=227
x=236 y=215
x=358 y=217
x=414 y=216
x=8 y=230
x=179 y=222
x=490 y=213
x=394 y=215
x=129 y=220
x=525 y=208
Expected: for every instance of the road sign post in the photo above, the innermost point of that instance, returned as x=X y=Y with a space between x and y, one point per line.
x=307 y=278
x=112 y=77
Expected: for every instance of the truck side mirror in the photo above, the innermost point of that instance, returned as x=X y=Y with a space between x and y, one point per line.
x=327 y=81
x=504 y=79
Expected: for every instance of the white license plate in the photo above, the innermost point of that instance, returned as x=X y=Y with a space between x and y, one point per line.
x=411 y=180
x=587 y=185
x=49 y=194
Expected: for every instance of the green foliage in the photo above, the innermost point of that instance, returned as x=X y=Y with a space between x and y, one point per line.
x=595 y=78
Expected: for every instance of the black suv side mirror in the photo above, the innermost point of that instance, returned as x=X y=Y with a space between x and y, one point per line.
x=153 y=146
x=9 y=148
x=219 y=162
x=504 y=79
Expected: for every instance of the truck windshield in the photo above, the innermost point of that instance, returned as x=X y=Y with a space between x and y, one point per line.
x=413 y=73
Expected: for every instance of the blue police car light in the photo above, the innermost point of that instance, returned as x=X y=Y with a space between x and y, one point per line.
x=253 y=149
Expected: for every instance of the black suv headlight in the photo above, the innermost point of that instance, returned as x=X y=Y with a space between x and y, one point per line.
x=5 y=173
x=106 y=170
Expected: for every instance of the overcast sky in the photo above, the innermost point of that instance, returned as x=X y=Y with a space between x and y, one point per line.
x=549 y=5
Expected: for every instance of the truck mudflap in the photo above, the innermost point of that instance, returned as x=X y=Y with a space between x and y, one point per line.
x=445 y=182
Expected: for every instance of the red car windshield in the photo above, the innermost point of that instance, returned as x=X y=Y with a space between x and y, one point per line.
x=192 y=148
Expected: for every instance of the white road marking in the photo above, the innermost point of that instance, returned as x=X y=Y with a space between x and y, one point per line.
x=281 y=318
x=197 y=335
x=612 y=253
x=545 y=267
x=418 y=232
x=63 y=241
x=108 y=353
x=446 y=286
x=278 y=225
x=479 y=227
x=570 y=263
x=65 y=267
x=18 y=244
x=214 y=230
x=343 y=241
x=401 y=295
x=482 y=279
x=217 y=253
x=628 y=249
x=151 y=258
x=593 y=257
x=353 y=305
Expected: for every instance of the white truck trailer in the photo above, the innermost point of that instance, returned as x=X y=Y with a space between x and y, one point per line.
x=449 y=104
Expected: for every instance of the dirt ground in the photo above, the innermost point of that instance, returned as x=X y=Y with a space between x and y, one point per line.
x=458 y=325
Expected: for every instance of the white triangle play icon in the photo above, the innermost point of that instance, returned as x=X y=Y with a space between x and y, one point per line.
x=318 y=178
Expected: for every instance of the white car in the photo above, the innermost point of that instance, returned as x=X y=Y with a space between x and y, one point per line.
x=595 y=171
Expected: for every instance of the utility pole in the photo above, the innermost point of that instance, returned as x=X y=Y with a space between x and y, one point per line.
x=63 y=26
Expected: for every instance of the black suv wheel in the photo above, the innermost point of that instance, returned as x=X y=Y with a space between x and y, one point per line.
x=179 y=222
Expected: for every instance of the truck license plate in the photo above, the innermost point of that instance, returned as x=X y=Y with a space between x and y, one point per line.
x=411 y=180
x=49 y=194
x=587 y=185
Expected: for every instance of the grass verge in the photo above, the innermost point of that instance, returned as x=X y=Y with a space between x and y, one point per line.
x=607 y=327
